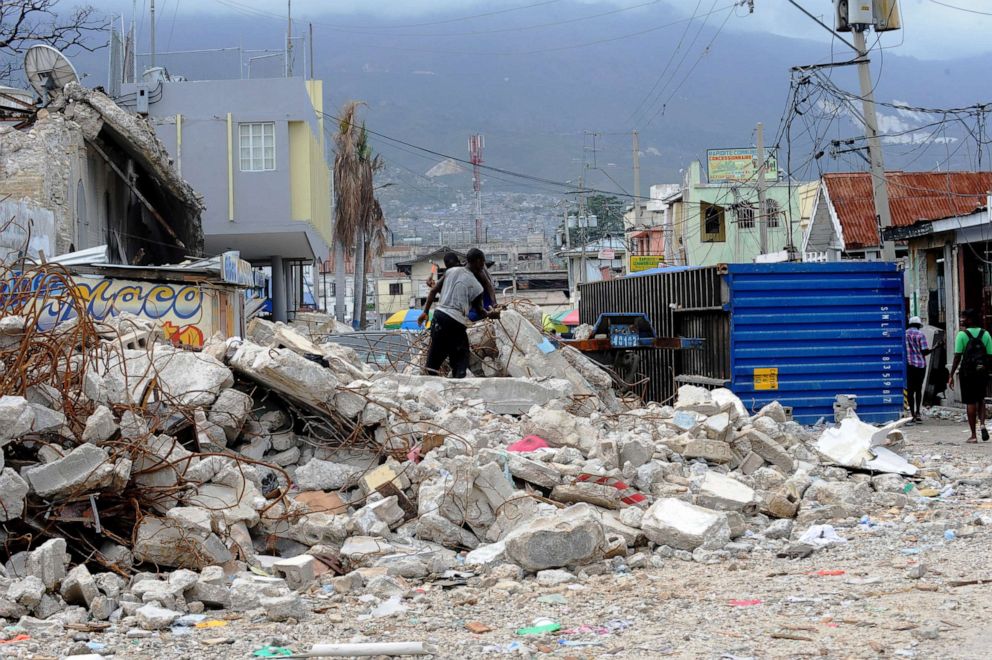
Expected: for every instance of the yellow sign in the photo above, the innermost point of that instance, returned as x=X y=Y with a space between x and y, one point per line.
x=766 y=378
x=645 y=262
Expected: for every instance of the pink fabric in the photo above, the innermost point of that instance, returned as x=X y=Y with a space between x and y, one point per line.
x=530 y=443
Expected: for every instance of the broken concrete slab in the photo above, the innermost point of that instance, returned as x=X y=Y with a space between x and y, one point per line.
x=86 y=468
x=713 y=451
x=167 y=543
x=297 y=571
x=325 y=475
x=79 y=587
x=571 y=536
x=684 y=526
x=230 y=411
x=771 y=451
x=599 y=495
x=100 y=426
x=721 y=492
x=13 y=490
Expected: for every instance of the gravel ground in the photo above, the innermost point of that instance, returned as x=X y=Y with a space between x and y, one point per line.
x=896 y=588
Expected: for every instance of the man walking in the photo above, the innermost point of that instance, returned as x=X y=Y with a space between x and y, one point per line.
x=916 y=365
x=972 y=348
x=458 y=293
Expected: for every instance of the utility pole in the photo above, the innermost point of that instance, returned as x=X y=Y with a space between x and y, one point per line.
x=635 y=139
x=312 y=77
x=289 y=38
x=152 y=4
x=582 y=223
x=879 y=185
x=762 y=198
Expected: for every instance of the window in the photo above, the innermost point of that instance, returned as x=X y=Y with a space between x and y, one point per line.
x=745 y=216
x=258 y=146
x=713 y=221
x=396 y=288
x=774 y=213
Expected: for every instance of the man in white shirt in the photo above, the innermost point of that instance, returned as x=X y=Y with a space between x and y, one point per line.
x=460 y=293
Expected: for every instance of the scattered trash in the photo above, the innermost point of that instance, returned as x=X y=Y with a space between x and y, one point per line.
x=745 y=603
x=272 y=652
x=15 y=639
x=829 y=573
x=528 y=444
x=213 y=623
x=540 y=626
x=477 y=627
x=362 y=649
x=389 y=607
x=821 y=536
x=949 y=535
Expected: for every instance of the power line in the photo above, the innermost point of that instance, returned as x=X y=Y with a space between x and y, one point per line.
x=965 y=9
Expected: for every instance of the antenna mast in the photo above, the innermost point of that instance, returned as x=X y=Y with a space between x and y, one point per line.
x=475 y=146
x=153 y=31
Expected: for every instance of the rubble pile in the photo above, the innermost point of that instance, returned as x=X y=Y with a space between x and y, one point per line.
x=264 y=466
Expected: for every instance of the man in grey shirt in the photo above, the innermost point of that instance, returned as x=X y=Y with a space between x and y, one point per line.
x=461 y=292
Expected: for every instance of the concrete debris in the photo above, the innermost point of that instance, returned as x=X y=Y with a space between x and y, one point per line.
x=265 y=468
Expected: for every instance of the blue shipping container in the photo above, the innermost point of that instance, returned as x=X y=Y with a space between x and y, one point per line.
x=801 y=334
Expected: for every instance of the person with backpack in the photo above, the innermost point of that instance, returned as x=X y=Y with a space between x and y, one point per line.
x=972 y=348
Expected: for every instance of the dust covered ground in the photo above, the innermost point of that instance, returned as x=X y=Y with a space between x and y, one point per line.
x=897 y=588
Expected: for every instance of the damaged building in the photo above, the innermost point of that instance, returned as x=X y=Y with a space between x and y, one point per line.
x=83 y=172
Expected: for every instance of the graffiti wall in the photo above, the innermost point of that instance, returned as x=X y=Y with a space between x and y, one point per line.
x=188 y=313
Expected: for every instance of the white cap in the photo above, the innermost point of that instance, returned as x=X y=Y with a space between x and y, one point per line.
x=915 y=320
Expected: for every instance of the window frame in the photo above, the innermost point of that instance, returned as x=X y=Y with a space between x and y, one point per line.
x=720 y=236
x=741 y=211
x=396 y=288
x=252 y=158
x=774 y=211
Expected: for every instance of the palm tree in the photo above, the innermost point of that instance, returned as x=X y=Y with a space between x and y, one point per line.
x=358 y=219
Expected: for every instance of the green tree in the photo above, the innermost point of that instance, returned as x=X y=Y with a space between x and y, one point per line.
x=608 y=210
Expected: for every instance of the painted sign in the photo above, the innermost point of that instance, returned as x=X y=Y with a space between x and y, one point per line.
x=766 y=378
x=179 y=308
x=645 y=262
x=236 y=270
x=738 y=165
x=607 y=254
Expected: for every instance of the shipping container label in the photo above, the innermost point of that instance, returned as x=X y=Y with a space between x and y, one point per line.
x=766 y=378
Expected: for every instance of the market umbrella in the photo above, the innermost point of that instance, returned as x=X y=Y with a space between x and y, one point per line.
x=571 y=318
x=405 y=319
x=551 y=325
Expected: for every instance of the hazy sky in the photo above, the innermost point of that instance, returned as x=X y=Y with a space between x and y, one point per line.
x=933 y=29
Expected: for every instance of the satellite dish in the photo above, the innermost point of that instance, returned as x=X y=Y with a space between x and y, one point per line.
x=47 y=69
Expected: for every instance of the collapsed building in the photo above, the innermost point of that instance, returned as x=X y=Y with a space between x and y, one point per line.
x=83 y=172
x=261 y=466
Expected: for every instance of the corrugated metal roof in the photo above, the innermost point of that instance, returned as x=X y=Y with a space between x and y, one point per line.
x=913 y=197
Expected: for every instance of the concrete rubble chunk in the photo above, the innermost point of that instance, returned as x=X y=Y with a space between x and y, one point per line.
x=79 y=587
x=191 y=379
x=16 y=418
x=696 y=399
x=685 y=526
x=297 y=571
x=13 y=490
x=152 y=617
x=713 y=451
x=284 y=608
x=27 y=591
x=771 y=451
x=48 y=562
x=325 y=475
x=167 y=543
x=100 y=426
x=230 y=411
x=599 y=495
x=571 y=536
x=718 y=491
x=86 y=468
x=288 y=373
